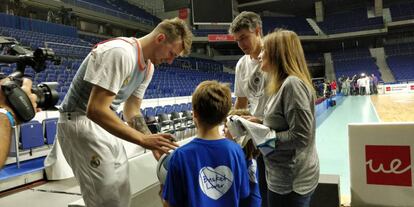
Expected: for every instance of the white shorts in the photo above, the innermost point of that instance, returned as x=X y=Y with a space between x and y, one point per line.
x=98 y=160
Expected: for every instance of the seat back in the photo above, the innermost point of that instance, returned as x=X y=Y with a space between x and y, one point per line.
x=49 y=129
x=175 y=115
x=149 y=119
x=31 y=135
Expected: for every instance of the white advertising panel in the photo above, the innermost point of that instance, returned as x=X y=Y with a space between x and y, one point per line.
x=381 y=164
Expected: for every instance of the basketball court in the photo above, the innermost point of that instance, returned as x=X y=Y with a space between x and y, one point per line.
x=394 y=107
x=332 y=133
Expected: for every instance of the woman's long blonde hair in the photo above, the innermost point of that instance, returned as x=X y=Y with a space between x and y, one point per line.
x=284 y=52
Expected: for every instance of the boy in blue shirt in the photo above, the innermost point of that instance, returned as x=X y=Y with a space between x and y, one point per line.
x=210 y=170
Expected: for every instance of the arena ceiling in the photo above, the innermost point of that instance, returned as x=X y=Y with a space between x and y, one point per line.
x=297 y=7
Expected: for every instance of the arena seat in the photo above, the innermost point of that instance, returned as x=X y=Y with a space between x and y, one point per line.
x=49 y=129
x=350 y=21
x=31 y=135
x=402 y=10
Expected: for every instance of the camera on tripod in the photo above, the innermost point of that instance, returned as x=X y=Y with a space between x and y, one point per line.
x=47 y=96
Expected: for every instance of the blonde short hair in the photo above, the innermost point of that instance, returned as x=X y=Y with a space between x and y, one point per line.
x=212 y=102
x=176 y=29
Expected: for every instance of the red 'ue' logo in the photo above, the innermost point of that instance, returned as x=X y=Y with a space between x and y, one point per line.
x=388 y=165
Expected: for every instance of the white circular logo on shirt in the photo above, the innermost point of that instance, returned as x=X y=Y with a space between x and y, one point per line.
x=256 y=84
x=215 y=182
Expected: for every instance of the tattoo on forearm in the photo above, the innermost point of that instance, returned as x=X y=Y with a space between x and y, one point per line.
x=138 y=122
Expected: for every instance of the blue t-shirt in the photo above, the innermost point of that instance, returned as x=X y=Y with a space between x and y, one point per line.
x=254 y=199
x=207 y=173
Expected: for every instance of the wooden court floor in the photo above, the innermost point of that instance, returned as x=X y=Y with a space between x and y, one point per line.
x=394 y=107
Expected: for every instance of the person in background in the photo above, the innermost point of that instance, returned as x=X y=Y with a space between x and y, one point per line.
x=50 y=15
x=374 y=84
x=333 y=87
x=344 y=87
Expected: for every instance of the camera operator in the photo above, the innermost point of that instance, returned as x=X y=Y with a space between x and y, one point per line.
x=8 y=118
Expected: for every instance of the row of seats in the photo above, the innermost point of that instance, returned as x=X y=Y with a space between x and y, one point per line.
x=340 y=22
x=310 y=59
x=35 y=134
x=73 y=51
x=349 y=68
x=166 y=82
x=205 y=32
x=297 y=24
x=399 y=49
x=402 y=67
x=172 y=119
x=161 y=119
x=73 y=55
x=56 y=42
x=126 y=7
x=350 y=21
x=400 y=59
x=314 y=58
x=121 y=9
x=34 y=25
x=354 y=62
x=155 y=111
x=200 y=64
x=91 y=39
x=402 y=10
x=351 y=54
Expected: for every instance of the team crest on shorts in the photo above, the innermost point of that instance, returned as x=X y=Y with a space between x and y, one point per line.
x=126 y=81
x=95 y=162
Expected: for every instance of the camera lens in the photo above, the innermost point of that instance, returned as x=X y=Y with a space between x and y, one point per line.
x=47 y=96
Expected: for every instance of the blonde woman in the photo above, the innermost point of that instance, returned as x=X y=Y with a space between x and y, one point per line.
x=292 y=170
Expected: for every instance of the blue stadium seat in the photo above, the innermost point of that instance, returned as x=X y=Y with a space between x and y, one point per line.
x=31 y=135
x=402 y=10
x=350 y=21
x=49 y=126
x=159 y=110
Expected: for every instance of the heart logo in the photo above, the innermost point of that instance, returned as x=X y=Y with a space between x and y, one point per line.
x=215 y=182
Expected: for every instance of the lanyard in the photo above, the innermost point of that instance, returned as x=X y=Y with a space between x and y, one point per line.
x=140 y=66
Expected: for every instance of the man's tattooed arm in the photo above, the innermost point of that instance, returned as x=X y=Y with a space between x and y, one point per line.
x=138 y=122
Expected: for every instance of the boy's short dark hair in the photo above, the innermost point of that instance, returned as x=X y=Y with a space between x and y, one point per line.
x=212 y=102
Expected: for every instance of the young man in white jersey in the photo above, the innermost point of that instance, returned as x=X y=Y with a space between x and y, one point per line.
x=250 y=80
x=115 y=71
